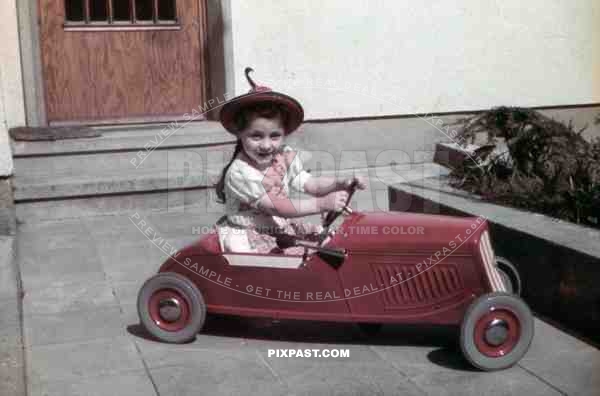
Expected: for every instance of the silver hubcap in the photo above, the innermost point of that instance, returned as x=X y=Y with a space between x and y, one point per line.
x=496 y=332
x=169 y=309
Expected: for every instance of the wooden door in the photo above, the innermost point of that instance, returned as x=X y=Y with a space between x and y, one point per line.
x=110 y=61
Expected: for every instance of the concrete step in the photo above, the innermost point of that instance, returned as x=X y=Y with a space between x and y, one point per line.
x=109 y=174
x=202 y=201
x=131 y=160
x=39 y=178
x=406 y=134
x=131 y=139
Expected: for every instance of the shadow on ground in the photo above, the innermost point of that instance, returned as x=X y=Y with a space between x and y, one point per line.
x=448 y=354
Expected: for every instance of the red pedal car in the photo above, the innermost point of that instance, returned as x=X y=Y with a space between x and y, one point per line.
x=374 y=268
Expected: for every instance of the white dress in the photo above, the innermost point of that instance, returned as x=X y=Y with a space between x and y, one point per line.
x=244 y=187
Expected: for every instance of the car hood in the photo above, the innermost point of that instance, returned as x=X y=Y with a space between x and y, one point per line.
x=410 y=232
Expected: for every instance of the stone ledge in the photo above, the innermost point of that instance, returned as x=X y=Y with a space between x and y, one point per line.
x=436 y=190
x=559 y=262
x=452 y=155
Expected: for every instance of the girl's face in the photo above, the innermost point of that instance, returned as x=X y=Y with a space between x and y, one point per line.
x=261 y=139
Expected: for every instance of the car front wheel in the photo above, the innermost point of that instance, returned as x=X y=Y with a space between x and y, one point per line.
x=496 y=331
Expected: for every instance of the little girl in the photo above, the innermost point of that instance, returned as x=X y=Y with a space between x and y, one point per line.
x=255 y=184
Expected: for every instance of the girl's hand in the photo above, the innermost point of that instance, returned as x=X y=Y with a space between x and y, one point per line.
x=334 y=201
x=361 y=183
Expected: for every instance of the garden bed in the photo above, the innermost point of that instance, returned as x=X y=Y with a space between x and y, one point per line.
x=522 y=158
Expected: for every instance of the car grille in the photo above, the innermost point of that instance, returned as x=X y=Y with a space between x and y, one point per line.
x=489 y=261
x=434 y=284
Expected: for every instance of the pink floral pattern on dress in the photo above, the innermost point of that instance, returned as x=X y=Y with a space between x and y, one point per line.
x=263 y=240
x=273 y=180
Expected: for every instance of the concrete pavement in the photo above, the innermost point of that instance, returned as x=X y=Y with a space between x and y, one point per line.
x=82 y=262
x=12 y=379
x=81 y=275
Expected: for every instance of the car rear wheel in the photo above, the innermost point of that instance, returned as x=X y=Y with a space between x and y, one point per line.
x=171 y=308
x=496 y=331
x=510 y=275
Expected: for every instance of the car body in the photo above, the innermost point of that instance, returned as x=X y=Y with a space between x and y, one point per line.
x=396 y=267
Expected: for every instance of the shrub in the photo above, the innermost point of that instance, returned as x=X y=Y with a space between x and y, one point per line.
x=533 y=162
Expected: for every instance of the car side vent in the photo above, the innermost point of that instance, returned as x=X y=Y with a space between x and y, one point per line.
x=434 y=284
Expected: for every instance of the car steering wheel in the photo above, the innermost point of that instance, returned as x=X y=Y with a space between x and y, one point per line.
x=333 y=215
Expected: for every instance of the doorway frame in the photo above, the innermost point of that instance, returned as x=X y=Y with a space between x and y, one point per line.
x=214 y=16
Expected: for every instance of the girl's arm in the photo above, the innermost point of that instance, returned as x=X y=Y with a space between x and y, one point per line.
x=323 y=185
x=283 y=206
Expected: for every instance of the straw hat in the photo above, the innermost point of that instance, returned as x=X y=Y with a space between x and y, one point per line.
x=259 y=95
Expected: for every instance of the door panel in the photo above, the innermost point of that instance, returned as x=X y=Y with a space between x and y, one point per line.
x=95 y=73
x=310 y=292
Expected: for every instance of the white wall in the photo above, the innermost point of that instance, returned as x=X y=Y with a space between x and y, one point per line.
x=12 y=110
x=6 y=164
x=404 y=57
